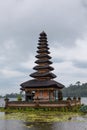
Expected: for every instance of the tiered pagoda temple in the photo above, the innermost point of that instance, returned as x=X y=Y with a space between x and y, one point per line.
x=42 y=91
x=42 y=86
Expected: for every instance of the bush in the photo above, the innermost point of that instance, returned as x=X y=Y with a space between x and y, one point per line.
x=19 y=98
x=83 y=109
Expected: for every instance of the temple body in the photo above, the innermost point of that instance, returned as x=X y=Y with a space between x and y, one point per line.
x=42 y=87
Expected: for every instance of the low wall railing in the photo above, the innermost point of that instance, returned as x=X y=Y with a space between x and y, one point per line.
x=61 y=103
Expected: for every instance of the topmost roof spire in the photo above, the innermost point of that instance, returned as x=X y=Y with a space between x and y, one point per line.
x=43 y=33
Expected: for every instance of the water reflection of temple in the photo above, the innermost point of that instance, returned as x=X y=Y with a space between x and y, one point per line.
x=42 y=86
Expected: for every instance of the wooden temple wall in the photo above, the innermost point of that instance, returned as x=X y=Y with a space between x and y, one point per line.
x=44 y=95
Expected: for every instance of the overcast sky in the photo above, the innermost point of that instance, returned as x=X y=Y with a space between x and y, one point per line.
x=21 y=21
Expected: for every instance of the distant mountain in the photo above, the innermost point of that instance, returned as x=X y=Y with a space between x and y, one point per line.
x=78 y=90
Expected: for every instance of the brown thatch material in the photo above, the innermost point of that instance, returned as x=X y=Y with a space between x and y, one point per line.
x=43 y=56
x=40 y=47
x=43 y=43
x=43 y=51
x=42 y=84
x=42 y=40
x=42 y=37
x=43 y=67
x=47 y=74
x=43 y=61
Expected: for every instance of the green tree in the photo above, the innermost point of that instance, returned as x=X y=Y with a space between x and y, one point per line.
x=78 y=83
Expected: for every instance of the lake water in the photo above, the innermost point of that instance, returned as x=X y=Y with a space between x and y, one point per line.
x=20 y=125
x=76 y=123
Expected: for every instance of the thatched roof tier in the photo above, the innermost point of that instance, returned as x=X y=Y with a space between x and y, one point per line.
x=42 y=84
x=42 y=43
x=43 y=51
x=43 y=56
x=46 y=74
x=43 y=47
x=43 y=37
x=43 y=61
x=43 y=67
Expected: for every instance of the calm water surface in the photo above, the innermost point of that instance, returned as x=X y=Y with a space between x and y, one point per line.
x=76 y=123
x=19 y=125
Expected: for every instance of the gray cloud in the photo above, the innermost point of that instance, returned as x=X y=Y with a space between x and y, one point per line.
x=58 y=60
x=84 y=3
x=80 y=64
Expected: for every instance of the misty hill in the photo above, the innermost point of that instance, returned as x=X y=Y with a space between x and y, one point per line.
x=78 y=90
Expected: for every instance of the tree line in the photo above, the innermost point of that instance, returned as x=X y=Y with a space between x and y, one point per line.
x=77 y=89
